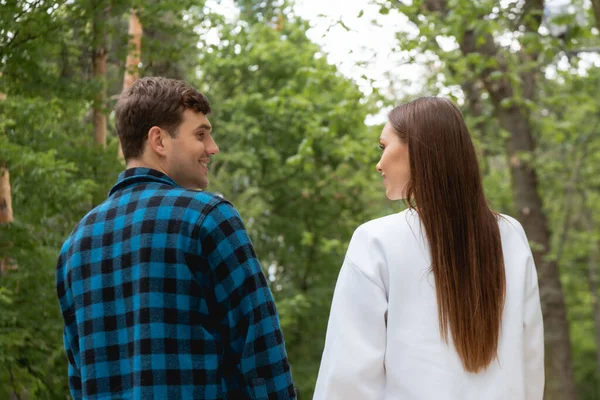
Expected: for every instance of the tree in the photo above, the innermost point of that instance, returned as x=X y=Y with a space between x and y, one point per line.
x=6 y=211
x=99 y=71
x=134 y=56
x=297 y=159
x=596 y=8
x=567 y=161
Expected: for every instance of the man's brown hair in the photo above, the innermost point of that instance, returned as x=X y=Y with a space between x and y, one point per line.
x=154 y=101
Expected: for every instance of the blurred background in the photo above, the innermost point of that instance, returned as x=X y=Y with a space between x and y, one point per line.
x=300 y=92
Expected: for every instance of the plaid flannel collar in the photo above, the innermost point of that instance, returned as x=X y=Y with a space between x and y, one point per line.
x=138 y=175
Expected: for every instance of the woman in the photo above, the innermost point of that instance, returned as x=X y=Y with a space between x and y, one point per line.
x=441 y=300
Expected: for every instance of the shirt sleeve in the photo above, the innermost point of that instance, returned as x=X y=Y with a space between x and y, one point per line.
x=252 y=333
x=74 y=376
x=533 y=326
x=353 y=362
x=534 y=336
x=70 y=337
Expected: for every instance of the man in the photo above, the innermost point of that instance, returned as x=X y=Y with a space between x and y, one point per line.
x=160 y=289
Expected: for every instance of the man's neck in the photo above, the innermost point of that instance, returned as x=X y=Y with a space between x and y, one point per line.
x=141 y=163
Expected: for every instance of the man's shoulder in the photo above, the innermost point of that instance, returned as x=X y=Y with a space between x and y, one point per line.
x=187 y=198
x=173 y=204
x=176 y=200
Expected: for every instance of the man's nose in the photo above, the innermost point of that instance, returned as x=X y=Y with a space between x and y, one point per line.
x=212 y=147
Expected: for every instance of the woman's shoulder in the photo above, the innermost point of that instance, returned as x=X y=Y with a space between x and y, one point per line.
x=374 y=241
x=510 y=226
x=389 y=225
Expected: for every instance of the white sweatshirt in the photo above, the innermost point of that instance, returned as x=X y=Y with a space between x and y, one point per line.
x=383 y=339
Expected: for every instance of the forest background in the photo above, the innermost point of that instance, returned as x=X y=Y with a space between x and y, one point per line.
x=297 y=156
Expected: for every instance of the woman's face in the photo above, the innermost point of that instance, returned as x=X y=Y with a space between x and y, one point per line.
x=394 y=164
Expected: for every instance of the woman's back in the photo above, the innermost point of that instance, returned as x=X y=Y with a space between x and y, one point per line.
x=383 y=339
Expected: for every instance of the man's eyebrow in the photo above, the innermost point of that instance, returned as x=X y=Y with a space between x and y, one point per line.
x=204 y=126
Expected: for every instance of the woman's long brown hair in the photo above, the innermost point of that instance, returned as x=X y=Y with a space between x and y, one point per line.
x=466 y=252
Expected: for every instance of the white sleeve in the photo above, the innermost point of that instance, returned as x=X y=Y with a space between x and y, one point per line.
x=533 y=326
x=352 y=366
x=534 y=337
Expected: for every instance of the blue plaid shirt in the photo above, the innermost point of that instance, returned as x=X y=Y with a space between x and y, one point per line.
x=163 y=297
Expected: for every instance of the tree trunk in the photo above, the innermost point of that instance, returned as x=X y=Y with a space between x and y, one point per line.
x=593 y=260
x=99 y=72
x=6 y=211
x=135 y=50
x=2 y=95
x=6 y=217
x=560 y=383
x=472 y=90
x=133 y=56
x=596 y=6
x=593 y=279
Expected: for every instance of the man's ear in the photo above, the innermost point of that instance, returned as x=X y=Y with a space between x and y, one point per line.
x=157 y=140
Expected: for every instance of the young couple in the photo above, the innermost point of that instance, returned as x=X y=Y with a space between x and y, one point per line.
x=163 y=296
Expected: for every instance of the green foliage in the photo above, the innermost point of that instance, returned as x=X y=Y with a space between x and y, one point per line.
x=56 y=175
x=296 y=157
x=298 y=161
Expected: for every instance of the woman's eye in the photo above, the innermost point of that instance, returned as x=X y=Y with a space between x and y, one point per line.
x=381 y=147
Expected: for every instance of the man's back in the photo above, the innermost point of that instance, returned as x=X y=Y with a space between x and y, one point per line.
x=163 y=297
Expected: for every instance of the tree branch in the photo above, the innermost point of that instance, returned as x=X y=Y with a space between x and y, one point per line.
x=596 y=6
x=13 y=383
x=26 y=39
x=16 y=19
x=570 y=192
x=577 y=52
x=531 y=17
x=23 y=11
x=440 y=6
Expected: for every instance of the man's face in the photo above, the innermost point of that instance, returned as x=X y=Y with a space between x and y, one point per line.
x=189 y=152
